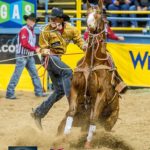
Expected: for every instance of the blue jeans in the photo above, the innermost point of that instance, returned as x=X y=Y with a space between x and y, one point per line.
x=133 y=22
x=61 y=79
x=121 y=7
x=21 y=63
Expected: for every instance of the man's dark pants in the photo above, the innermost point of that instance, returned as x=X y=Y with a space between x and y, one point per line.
x=60 y=75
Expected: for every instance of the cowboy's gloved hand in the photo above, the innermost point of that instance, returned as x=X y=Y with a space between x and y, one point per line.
x=38 y=50
x=45 y=51
x=85 y=46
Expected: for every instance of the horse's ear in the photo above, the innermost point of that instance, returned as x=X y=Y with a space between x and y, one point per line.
x=100 y=4
x=88 y=4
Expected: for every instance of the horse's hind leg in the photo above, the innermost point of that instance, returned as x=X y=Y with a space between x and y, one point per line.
x=112 y=119
x=61 y=126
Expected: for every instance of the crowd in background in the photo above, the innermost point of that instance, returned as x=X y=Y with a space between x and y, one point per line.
x=41 y=3
x=118 y=5
x=124 y=5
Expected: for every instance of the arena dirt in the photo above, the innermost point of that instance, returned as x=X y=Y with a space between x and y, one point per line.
x=132 y=131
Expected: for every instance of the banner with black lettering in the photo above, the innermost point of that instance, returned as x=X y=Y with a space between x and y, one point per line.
x=8 y=49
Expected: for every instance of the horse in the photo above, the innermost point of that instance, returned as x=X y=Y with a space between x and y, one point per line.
x=93 y=96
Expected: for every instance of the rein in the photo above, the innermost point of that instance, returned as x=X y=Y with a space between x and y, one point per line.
x=95 y=43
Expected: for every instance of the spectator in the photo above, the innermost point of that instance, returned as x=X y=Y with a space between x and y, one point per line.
x=140 y=5
x=95 y=2
x=26 y=47
x=119 y=5
x=107 y=3
x=84 y=7
x=110 y=34
x=92 y=2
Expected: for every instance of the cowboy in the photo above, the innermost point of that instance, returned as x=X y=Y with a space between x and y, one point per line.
x=24 y=51
x=55 y=37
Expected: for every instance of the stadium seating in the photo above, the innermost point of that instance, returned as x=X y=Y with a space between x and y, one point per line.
x=67 y=5
x=70 y=7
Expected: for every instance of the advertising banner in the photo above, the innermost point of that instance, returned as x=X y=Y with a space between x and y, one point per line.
x=132 y=62
x=7 y=64
x=8 y=48
x=12 y=11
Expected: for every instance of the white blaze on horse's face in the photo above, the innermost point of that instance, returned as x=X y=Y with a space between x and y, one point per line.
x=91 y=21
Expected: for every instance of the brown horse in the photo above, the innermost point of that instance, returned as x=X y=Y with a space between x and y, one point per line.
x=93 y=96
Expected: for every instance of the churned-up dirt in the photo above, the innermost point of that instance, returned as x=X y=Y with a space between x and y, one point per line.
x=17 y=128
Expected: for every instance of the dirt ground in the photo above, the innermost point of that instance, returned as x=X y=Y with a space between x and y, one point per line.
x=131 y=132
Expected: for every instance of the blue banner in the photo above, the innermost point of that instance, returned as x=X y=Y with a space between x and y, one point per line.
x=12 y=12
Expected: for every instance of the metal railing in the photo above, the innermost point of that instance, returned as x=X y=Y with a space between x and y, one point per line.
x=79 y=12
x=73 y=20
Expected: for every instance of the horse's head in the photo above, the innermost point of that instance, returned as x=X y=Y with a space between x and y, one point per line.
x=95 y=20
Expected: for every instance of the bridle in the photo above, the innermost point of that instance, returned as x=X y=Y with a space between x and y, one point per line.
x=96 y=38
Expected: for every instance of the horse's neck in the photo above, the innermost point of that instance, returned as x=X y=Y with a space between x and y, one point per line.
x=101 y=52
x=96 y=50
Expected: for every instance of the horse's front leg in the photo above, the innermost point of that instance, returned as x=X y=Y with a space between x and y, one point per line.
x=112 y=119
x=95 y=113
x=72 y=109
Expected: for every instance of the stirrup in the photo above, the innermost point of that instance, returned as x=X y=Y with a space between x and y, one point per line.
x=120 y=87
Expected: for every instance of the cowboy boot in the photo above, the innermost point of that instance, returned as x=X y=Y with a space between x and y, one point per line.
x=121 y=87
x=117 y=81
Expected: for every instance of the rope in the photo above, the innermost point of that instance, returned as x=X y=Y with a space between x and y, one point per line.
x=5 y=60
x=97 y=50
x=112 y=98
x=16 y=58
x=42 y=29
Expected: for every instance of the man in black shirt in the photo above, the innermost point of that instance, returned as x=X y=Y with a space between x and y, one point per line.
x=140 y=5
x=119 y=5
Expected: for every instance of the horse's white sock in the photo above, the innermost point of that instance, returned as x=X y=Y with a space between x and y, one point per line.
x=68 y=125
x=92 y=129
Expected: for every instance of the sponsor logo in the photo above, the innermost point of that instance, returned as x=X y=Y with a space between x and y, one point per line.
x=23 y=37
x=140 y=59
x=7 y=48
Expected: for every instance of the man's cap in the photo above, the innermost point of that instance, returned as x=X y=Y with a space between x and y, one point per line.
x=32 y=16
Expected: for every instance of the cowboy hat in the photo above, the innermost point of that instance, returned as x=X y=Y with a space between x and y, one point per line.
x=32 y=16
x=58 y=12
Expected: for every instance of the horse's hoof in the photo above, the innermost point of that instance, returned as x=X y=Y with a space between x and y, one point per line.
x=87 y=145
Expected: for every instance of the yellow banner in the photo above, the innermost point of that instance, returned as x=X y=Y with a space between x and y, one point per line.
x=25 y=82
x=132 y=62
